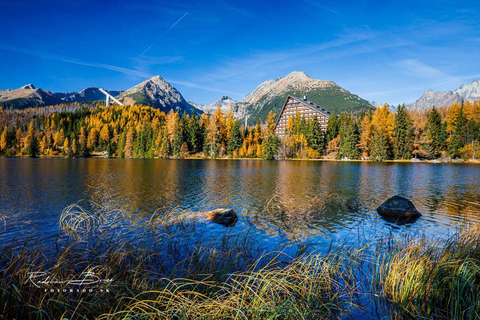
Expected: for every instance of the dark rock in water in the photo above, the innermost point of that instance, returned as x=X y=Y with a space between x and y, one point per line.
x=398 y=206
x=226 y=217
x=400 y=220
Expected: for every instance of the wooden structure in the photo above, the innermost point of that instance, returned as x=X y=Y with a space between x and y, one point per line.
x=305 y=108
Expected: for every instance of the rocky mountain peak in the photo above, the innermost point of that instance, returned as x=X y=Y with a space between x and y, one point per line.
x=469 y=91
x=28 y=86
x=156 y=92
x=297 y=75
x=294 y=81
x=432 y=98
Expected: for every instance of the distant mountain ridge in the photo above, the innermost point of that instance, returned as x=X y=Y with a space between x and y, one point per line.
x=155 y=92
x=30 y=96
x=158 y=93
x=87 y=94
x=27 y=96
x=431 y=98
x=224 y=103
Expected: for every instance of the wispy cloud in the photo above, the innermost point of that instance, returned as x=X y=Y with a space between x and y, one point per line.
x=419 y=69
x=55 y=57
x=321 y=6
x=260 y=61
x=110 y=67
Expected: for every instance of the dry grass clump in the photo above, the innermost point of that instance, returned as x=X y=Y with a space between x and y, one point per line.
x=312 y=286
x=77 y=220
x=439 y=279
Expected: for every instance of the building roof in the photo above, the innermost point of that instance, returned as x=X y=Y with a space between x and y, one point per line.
x=307 y=103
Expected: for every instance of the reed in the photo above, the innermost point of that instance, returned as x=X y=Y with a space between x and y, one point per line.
x=180 y=275
x=428 y=278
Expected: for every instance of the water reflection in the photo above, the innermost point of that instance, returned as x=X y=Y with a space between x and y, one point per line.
x=286 y=199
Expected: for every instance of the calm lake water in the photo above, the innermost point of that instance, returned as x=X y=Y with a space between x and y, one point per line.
x=278 y=200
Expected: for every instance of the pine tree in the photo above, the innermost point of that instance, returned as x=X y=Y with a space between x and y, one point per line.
x=31 y=142
x=314 y=135
x=443 y=137
x=110 y=149
x=348 y=138
x=184 y=151
x=194 y=133
x=462 y=127
x=433 y=131
x=332 y=128
x=235 y=141
x=165 y=148
x=455 y=143
x=270 y=143
x=121 y=145
x=403 y=134
x=379 y=150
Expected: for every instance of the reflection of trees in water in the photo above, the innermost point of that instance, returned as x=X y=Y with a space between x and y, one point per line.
x=309 y=198
x=301 y=217
x=135 y=186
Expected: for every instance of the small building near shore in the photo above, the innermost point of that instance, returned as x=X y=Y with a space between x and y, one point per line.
x=305 y=108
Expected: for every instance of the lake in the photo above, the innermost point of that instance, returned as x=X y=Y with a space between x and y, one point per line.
x=311 y=201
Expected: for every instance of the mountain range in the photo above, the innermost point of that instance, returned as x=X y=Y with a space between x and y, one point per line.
x=431 y=98
x=30 y=96
x=269 y=95
x=158 y=93
x=155 y=92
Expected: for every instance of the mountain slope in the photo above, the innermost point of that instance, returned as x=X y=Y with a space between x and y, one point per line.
x=26 y=96
x=271 y=94
x=158 y=93
x=431 y=98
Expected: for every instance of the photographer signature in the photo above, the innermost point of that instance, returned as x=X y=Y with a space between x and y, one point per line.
x=39 y=279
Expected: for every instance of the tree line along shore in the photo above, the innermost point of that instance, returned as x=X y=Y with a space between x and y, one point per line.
x=450 y=133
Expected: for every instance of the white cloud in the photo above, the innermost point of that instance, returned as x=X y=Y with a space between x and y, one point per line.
x=419 y=69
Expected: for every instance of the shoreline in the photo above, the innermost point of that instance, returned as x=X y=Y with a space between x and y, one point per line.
x=434 y=161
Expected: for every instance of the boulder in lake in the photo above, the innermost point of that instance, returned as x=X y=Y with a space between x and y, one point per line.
x=225 y=217
x=398 y=206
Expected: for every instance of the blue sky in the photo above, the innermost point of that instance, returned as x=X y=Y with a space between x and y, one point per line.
x=385 y=51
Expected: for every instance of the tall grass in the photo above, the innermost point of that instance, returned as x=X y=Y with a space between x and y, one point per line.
x=432 y=278
x=234 y=276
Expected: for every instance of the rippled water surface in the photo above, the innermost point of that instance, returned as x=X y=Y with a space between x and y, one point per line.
x=316 y=201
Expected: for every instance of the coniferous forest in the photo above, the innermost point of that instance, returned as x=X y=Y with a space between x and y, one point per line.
x=91 y=129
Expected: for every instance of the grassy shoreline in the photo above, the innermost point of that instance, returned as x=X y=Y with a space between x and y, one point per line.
x=180 y=276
